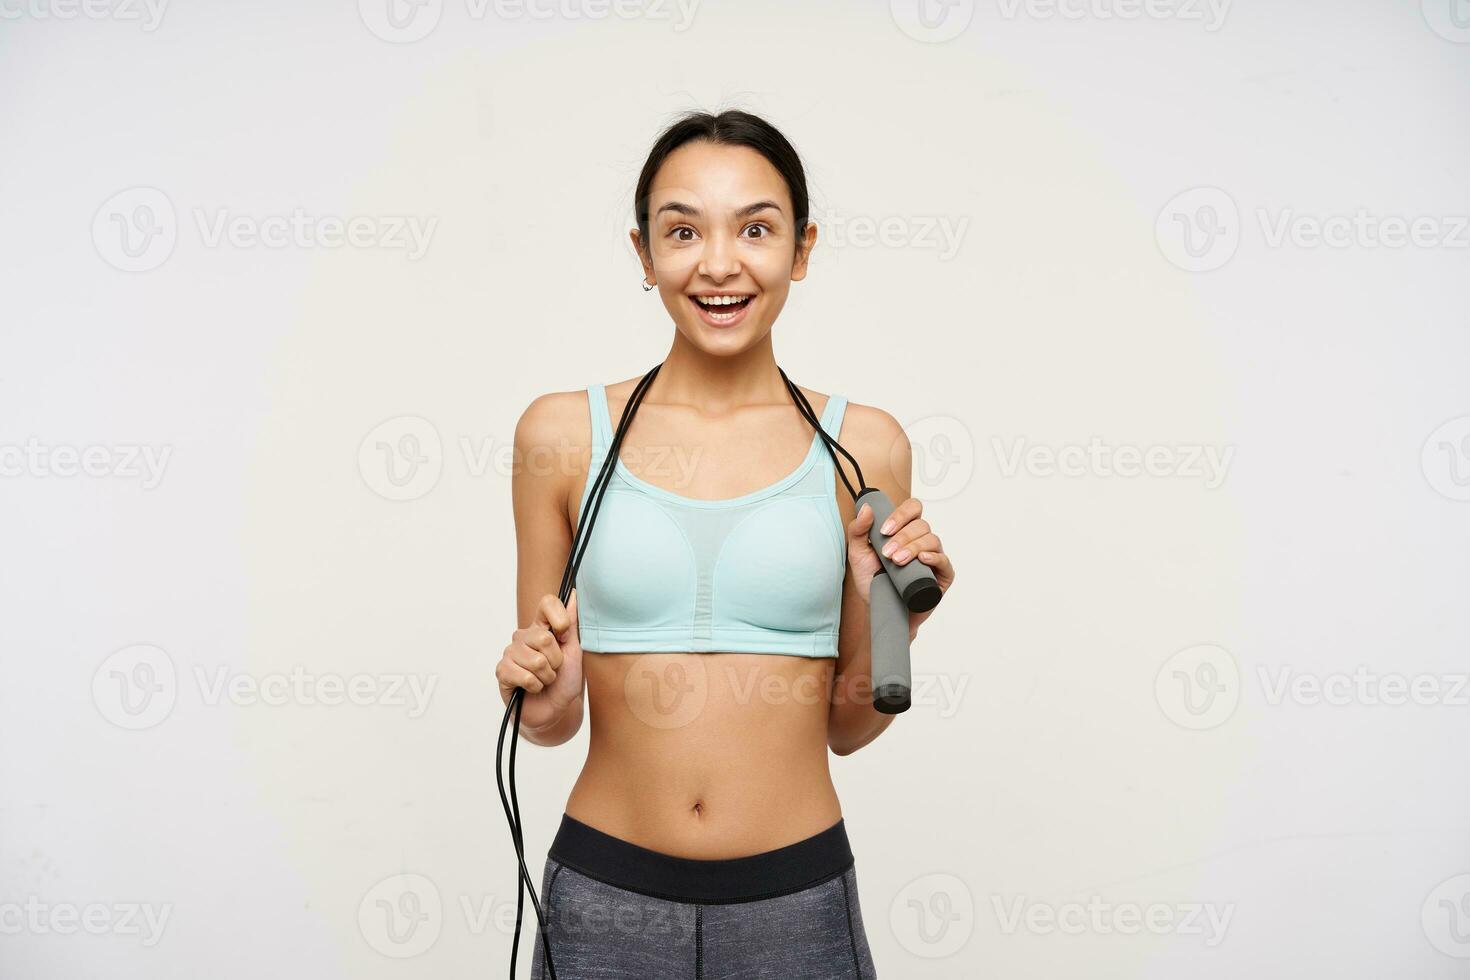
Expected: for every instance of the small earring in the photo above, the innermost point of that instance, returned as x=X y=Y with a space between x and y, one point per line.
x=648 y=285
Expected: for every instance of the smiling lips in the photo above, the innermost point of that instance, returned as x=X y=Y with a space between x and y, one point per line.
x=722 y=309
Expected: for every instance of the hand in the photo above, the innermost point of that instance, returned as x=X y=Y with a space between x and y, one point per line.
x=911 y=538
x=545 y=658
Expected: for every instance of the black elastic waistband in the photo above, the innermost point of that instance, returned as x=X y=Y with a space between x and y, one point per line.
x=623 y=864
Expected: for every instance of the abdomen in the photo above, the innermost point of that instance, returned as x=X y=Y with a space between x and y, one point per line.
x=707 y=755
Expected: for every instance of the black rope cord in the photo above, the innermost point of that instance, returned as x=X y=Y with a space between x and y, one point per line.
x=568 y=581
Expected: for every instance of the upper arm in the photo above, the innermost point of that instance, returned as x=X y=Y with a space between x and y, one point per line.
x=552 y=446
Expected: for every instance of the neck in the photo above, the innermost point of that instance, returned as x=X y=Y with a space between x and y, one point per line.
x=715 y=384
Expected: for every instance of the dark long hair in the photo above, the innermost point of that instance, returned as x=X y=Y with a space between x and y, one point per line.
x=733 y=127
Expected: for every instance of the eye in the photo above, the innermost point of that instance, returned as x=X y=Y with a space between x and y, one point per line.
x=759 y=224
x=674 y=233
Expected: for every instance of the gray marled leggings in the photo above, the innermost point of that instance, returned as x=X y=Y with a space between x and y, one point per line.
x=713 y=930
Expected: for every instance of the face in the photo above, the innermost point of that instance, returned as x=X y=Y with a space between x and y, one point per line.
x=722 y=244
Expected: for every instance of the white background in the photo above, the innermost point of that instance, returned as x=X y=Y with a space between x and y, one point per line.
x=1079 y=757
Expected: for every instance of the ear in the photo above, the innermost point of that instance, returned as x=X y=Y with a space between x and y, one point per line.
x=643 y=256
x=804 y=251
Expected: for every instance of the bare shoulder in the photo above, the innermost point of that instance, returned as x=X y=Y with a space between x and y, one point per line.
x=553 y=439
x=555 y=417
x=881 y=446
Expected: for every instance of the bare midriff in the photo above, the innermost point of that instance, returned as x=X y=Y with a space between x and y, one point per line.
x=706 y=755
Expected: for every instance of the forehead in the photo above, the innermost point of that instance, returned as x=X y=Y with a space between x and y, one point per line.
x=713 y=176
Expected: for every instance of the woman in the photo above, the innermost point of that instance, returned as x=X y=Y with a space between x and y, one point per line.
x=718 y=631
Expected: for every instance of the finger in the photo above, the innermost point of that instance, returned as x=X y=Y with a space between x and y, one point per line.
x=910 y=532
x=860 y=525
x=546 y=645
x=938 y=561
x=535 y=661
x=924 y=542
x=553 y=614
x=902 y=514
x=513 y=675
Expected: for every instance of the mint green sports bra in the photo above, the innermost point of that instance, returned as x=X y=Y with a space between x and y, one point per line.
x=759 y=573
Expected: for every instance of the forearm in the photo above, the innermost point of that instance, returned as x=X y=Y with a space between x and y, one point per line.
x=853 y=721
x=558 y=731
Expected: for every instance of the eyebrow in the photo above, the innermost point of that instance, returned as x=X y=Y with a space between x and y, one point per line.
x=693 y=212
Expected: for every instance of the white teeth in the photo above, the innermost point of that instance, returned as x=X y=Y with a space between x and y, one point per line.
x=719 y=300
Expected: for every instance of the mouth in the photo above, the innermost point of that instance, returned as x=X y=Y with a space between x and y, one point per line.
x=722 y=309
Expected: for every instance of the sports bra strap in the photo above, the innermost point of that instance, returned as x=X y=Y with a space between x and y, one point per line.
x=832 y=416
x=602 y=431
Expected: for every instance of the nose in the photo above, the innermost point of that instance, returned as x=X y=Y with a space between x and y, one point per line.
x=719 y=259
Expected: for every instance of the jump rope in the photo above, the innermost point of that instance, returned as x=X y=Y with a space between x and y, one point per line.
x=911 y=588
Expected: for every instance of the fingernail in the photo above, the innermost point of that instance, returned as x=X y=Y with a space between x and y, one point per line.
x=888 y=549
x=887 y=526
x=901 y=557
